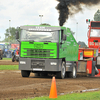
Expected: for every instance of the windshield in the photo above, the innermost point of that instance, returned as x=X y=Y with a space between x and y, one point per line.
x=95 y=33
x=39 y=36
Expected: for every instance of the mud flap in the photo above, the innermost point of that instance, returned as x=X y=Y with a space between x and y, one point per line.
x=94 y=69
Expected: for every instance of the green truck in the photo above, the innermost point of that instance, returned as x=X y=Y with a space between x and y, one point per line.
x=47 y=50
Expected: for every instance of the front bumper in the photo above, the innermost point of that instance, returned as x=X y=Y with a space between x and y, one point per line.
x=33 y=64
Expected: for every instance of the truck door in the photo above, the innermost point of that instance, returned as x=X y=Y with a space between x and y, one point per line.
x=63 y=46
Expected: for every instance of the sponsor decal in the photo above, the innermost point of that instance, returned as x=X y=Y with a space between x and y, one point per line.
x=39 y=29
x=94 y=43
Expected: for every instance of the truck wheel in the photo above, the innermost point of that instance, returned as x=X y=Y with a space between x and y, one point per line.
x=73 y=73
x=0 y=54
x=43 y=74
x=25 y=73
x=13 y=58
x=96 y=70
x=17 y=60
x=63 y=71
x=36 y=74
x=93 y=68
x=1 y=58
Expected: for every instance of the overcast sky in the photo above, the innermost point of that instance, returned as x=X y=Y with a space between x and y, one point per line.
x=26 y=12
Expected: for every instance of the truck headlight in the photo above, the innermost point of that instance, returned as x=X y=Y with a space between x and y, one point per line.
x=53 y=63
x=22 y=62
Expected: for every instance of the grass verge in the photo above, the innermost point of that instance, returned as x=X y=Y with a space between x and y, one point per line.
x=8 y=67
x=75 y=96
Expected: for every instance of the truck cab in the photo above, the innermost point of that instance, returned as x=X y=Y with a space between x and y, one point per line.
x=94 y=35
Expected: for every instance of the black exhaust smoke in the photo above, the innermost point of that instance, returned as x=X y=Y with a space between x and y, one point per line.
x=70 y=7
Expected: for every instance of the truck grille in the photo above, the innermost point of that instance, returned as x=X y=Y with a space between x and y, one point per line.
x=38 y=64
x=38 y=52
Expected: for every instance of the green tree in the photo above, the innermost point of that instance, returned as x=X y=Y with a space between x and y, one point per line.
x=97 y=15
x=10 y=35
x=82 y=44
x=45 y=24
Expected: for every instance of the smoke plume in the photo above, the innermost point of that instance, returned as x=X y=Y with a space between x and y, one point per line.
x=70 y=7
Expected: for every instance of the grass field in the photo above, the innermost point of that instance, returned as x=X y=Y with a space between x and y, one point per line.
x=8 y=67
x=7 y=59
x=74 y=96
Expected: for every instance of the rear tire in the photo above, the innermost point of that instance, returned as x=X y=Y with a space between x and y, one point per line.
x=1 y=58
x=13 y=58
x=25 y=73
x=73 y=74
x=0 y=55
x=36 y=74
x=17 y=60
x=93 y=68
x=44 y=74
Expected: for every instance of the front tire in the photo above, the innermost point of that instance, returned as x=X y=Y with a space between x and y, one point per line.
x=63 y=71
x=25 y=73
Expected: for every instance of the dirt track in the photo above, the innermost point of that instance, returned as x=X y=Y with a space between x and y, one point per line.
x=13 y=86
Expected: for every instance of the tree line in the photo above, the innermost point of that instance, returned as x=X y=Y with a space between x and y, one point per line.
x=10 y=35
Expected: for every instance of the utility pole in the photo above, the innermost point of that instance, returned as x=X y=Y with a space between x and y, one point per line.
x=41 y=18
x=9 y=30
x=9 y=26
x=76 y=30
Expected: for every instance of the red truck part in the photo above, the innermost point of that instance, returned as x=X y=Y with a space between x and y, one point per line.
x=94 y=35
x=14 y=46
x=94 y=40
x=89 y=66
x=80 y=55
x=87 y=61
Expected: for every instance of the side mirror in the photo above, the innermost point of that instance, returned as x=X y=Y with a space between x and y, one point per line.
x=17 y=35
x=64 y=37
